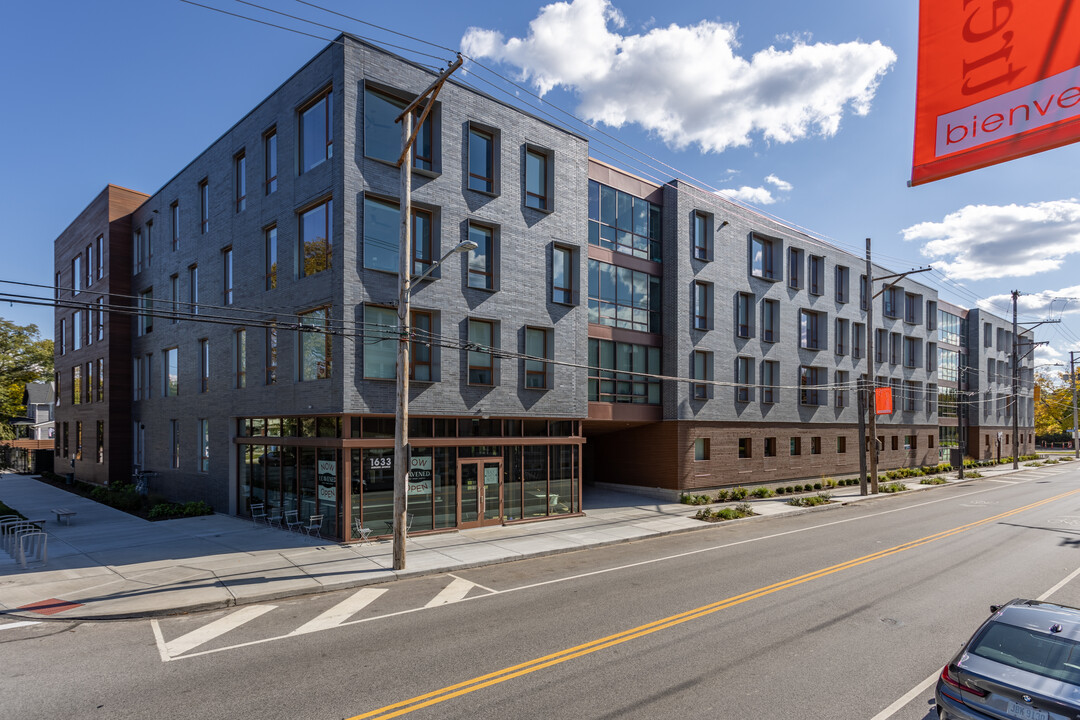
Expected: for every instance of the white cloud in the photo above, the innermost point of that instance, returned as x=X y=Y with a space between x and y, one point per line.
x=980 y=242
x=755 y=195
x=782 y=185
x=687 y=84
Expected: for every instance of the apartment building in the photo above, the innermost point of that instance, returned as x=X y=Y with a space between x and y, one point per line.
x=604 y=328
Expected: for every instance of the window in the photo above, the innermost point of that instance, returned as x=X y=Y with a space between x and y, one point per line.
x=890 y=302
x=420 y=358
x=481 y=264
x=795 y=270
x=316 y=346
x=864 y=293
x=536 y=346
x=770 y=381
x=858 y=336
x=204 y=445
x=63 y=336
x=204 y=365
x=841 y=444
x=240 y=170
x=227 y=276
x=78 y=439
x=317 y=131
x=537 y=173
x=988 y=335
x=912 y=351
x=795 y=446
x=770 y=320
x=931 y=399
x=881 y=345
x=812 y=330
x=562 y=275
x=932 y=315
x=271 y=354
x=270 y=236
x=842 y=279
x=931 y=357
x=611 y=365
x=912 y=390
x=623 y=223
x=100 y=441
x=100 y=379
x=270 y=160
x=380 y=342
x=702 y=371
x=316 y=233
x=382 y=134
x=76 y=385
x=815 y=445
x=100 y=318
x=174 y=444
x=701 y=449
x=745 y=447
x=76 y=330
x=623 y=298
x=146 y=314
x=174 y=298
x=137 y=251
x=841 y=388
x=100 y=258
x=481 y=363
x=193 y=289
x=702 y=307
x=744 y=379
x=240 y=357
x=841 y=336
x=743 y=314
x=481 y=160
x=204 y=206
x=174 y=215
x=770 y=447
x=170 y=372
x=912 y=305
x=700 y=236
x=421 y=241
x=89 y=265
x=895 y=345
x=810 y=380
x=817 y=275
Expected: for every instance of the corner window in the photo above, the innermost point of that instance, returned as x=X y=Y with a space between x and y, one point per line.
x=315 y=345
x=537 y=179
x=382 y=134
x=481 y=363
x=481 y=160
x=316 y=234
x=562 y=274
x=537 y=345
x=380 y=342
x=317 y=131
x=481 y=263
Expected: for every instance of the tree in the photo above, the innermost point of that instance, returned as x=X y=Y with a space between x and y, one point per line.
x=24 y=358
x=1053 y=410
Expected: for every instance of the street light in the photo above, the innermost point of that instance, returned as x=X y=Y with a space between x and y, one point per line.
x=401 y=430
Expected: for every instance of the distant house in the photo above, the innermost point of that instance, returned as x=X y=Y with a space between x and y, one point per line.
x=32 y=448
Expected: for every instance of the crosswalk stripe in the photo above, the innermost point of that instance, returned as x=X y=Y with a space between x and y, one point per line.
x=24 y=623
x=205 y=634
x=340 y=612
x=455 y=591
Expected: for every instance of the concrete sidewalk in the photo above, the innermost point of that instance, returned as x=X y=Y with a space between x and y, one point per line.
x=107 y=564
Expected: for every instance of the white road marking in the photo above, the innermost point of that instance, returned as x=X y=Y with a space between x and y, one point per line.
x=24 y=623
x=454 y=592
x=486 y=589
x=340 y=612
x=1007 y=482
x=219 y=627
x=918 y=689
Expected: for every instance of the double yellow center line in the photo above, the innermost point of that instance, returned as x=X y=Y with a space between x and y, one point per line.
x=500 y=676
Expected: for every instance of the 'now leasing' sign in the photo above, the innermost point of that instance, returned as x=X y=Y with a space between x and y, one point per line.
x=998 y=80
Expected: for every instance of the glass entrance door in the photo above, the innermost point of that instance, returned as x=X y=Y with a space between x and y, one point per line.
x=480 y=492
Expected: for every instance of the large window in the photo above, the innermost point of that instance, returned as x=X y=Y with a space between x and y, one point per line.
x=612 y=368
x=170 y=370
x=317 y=131
x=316 y=345
x=621 y=222
x=562 y=275
x=624 y=298
x=382 y=135
x=270 y=160
x=316 y=235
x=950 y=328
x=481 y=362
x=537 y=173
x=763 y=260
x=481 y=160
x=481 y=261
x=537 y=345
x=948 y=365
x=380 y=342
x=382 y=236
x=271 y=257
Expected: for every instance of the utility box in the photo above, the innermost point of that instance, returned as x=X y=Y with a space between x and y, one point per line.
x=956 y=457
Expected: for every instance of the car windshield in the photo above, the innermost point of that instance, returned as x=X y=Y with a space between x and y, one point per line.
x=1048 y=655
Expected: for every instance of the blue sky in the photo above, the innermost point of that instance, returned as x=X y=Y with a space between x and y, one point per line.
x=804 y=110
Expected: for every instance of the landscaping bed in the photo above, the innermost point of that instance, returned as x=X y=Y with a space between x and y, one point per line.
x=125 y=497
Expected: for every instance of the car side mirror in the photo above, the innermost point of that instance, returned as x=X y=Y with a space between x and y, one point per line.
x=994 y=608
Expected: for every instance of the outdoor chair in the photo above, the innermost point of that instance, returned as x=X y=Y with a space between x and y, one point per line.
x=364 y=533
x=314 y=526
x=408 y=523
x=292 y=522
x=258 y=512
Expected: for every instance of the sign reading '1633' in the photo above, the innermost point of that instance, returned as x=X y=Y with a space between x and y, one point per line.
x=420 y=475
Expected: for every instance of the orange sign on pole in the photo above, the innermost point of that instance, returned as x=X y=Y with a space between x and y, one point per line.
x=883 y=400
x=997 y=80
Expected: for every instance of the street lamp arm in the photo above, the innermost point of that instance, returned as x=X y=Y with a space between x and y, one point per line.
x=463 y=246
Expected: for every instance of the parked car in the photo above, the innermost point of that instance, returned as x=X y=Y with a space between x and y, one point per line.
x=1023 y=663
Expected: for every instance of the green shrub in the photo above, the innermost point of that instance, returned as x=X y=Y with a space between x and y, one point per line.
x=727 y=513
x=892 y=487
x=972 y=474
x=762 y=492
x=723 y=496
x=830 y=483
x=739 y=493
x=933 y=481
x=195 y=508
x=780 y=491
x=790 y=489
x=822 y=498
x=817 y=486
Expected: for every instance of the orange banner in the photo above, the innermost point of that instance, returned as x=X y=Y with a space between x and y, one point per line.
x=998 y=80
x=883 y=400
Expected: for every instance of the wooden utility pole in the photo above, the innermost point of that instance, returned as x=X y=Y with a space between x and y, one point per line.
x=1015 y=387
x=871 y=378
x=401 y=425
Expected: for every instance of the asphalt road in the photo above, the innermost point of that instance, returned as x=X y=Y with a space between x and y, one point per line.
x=835 y=614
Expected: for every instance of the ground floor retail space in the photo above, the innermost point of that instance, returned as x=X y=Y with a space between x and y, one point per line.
x=465 y=472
